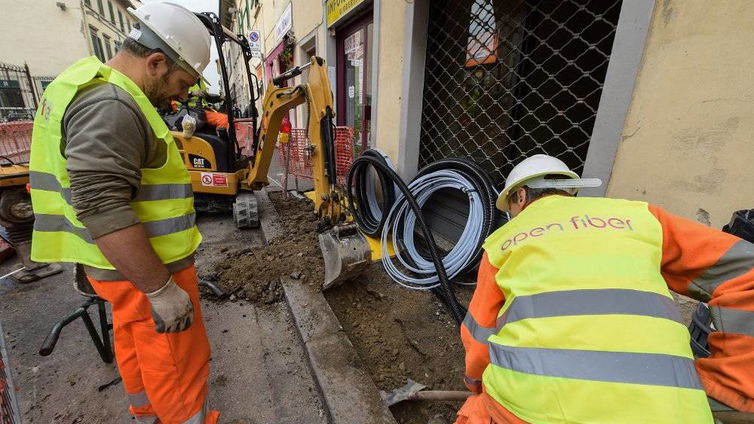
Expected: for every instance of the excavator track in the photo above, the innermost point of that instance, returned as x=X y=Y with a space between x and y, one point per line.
x=245 y=211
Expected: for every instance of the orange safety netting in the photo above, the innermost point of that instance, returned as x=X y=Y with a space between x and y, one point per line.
x=300 y=160
x=15 y=140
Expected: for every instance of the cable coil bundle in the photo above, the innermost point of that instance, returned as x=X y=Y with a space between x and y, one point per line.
x=405 y=215
x=362 y=194
x=457 y=174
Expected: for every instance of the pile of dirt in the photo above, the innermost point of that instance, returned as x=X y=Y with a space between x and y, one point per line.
x=254 y=274
x=400 y=334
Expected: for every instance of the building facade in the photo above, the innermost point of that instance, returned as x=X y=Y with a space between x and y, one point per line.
x=616 y=89
x=38 y=42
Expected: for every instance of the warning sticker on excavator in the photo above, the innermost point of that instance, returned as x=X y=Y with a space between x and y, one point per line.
x=211 y=179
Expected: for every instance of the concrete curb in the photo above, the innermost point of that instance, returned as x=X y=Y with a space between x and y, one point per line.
x=268 y=218
x=347 y=390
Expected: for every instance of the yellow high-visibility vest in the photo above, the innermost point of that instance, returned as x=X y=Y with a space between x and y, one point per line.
x=164 y=201
x=589 y=332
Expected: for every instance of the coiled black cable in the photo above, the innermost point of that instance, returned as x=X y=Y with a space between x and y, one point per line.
x=483 y=184
x=444 y=291
x=362 y=201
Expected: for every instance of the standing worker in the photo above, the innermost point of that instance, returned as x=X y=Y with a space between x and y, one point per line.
x=110 y=191
x=572 y=321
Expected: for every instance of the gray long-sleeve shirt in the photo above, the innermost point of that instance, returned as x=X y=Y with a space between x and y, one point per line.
x=107 y=140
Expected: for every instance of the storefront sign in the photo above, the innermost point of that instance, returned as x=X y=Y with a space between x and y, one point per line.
x=283 y=24
x=337 y=9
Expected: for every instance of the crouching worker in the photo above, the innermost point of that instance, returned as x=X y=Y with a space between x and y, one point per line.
x=572 y=320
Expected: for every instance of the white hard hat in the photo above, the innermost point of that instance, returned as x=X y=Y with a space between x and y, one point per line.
x=176 y=31
x=531 y=172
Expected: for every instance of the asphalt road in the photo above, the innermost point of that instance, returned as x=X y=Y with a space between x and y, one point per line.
x=259 y=372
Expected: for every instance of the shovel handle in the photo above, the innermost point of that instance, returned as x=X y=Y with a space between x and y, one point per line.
x=441 y=395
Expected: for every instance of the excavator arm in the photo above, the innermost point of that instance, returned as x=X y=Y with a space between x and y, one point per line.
x=345 y=251
x=277 y=102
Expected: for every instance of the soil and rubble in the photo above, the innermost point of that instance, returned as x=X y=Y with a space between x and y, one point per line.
x=254 y=274
x=398 y=333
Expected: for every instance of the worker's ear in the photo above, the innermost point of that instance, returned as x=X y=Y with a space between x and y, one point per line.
x=157 y=64
x=522 y=198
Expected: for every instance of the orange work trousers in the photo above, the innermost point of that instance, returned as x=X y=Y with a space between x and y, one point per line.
x=165 y=375
x=482 y=409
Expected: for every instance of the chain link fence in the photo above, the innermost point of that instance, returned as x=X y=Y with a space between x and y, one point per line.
x=506 y=79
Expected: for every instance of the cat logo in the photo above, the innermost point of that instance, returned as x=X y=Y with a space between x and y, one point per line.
x=199 y=163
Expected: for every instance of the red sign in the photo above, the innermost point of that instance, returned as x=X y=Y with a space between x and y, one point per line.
x=211 y=179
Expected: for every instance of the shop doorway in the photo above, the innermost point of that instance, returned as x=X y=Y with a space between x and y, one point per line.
x=355 y=80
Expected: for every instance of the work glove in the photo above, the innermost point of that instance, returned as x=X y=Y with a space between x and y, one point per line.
x=172 y=309
x=198 y=93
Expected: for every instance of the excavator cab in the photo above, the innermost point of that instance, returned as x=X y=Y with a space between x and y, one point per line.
x=216 y=156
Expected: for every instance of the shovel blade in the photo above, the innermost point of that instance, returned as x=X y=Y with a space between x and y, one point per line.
x=346 y=253
x=402 y=393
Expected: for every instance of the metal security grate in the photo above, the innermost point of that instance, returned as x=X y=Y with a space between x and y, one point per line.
x=506 y=79
x=18 y=98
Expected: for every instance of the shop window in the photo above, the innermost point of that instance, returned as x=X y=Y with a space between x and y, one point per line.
x=10 y=94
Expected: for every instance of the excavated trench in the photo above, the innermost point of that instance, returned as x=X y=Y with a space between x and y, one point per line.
x=397 y=333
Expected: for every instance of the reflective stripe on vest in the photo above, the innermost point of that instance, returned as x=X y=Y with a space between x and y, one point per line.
x=163 y=202
x=590 y=302
x=617 y=367
x=478 y=332
x=589 y=332
x=45 y=181
x=54 y=223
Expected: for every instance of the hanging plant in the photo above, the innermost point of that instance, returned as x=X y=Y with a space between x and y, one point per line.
x=285 y=58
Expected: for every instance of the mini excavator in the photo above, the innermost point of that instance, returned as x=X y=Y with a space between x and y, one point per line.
x=221 y=175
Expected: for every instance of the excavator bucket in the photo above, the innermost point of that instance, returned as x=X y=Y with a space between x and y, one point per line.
x=346 y=252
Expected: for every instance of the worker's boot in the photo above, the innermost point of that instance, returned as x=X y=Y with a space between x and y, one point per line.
x=32 y=271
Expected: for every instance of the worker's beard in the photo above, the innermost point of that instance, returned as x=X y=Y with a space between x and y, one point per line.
x=157 y=91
